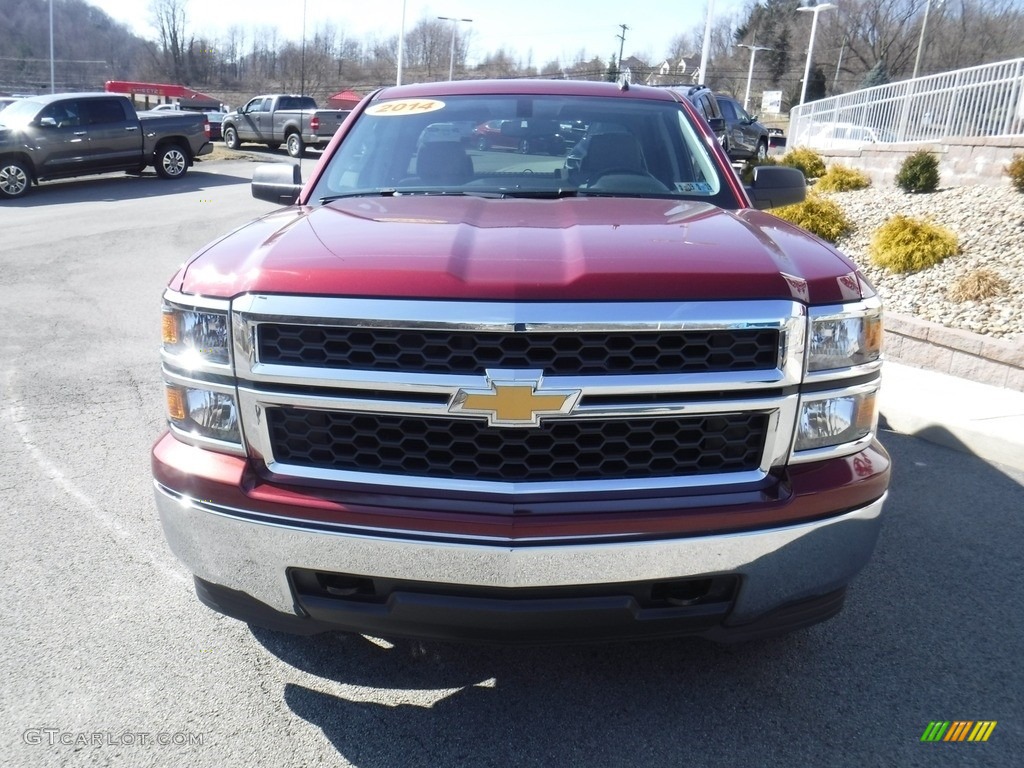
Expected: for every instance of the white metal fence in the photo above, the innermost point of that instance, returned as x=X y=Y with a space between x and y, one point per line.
x=979 y=101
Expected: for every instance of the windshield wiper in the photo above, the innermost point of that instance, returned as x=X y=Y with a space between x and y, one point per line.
x=392 y=192
x=540 y=194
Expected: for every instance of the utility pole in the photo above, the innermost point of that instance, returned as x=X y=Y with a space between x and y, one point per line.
x=835 y=80
x=622 y=43
x=920 y=42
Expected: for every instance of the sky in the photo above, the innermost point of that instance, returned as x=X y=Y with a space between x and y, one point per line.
x=535 y=31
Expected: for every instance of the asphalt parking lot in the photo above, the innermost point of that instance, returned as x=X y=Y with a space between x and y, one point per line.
x=107 y=658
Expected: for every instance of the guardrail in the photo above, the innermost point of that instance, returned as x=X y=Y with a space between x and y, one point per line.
x=979 y=101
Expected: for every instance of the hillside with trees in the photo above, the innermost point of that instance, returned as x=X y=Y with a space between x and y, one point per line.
x=859 y=42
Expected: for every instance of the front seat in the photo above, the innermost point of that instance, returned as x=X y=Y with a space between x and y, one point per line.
x=443 y=163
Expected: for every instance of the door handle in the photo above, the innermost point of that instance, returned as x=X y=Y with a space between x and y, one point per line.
x=131 y=127
x=80 y=133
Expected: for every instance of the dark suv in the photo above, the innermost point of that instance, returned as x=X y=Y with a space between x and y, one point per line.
x=707 y=107
x=745 y=137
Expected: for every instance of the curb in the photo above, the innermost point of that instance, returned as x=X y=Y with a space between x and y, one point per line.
x=953 y=412
x=954 y=388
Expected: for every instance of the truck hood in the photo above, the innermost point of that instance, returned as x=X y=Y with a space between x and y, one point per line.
x=575 y=249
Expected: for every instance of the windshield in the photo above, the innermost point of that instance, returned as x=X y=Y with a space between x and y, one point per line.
x=525 y=146
x=20 y=113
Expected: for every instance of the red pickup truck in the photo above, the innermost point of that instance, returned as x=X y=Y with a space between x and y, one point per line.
x=464 y=394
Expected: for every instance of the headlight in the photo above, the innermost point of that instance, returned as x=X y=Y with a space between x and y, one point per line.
x=837 y=419
x=195 y=337
x=203 y=413
x=847 y=336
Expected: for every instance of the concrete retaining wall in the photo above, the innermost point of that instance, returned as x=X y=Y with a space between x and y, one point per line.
x=961 y=161
x=928 y=345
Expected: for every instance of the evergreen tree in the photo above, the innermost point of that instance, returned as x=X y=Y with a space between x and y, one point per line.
x=613 y=70
x=878 y=75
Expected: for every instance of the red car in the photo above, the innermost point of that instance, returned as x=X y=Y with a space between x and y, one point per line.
x=455 y=394
x=524 y=136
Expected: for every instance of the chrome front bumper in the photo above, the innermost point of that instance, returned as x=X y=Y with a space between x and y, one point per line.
x=251 y=553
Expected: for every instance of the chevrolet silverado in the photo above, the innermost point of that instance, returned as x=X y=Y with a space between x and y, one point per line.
x=459 y=394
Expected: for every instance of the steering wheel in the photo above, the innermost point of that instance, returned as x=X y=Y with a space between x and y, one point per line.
x=630 y=180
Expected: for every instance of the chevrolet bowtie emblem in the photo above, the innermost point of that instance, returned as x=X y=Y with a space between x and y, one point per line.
x=514 y=402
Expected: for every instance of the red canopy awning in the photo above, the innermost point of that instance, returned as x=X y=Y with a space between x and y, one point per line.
x=346 y=99
x=165 y=90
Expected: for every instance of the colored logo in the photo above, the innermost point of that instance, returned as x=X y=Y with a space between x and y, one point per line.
x=514 y=402
x=959 y=730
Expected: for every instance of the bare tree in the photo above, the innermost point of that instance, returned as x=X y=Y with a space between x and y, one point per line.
x=169 y=19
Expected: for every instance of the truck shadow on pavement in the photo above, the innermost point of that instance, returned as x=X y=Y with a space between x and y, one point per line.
x=117 y=188
x=933 y=628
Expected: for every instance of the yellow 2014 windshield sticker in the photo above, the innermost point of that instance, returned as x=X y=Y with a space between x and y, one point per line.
x=405 y=107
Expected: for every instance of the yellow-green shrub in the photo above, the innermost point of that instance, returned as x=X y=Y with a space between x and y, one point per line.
x=747 y=172
x=807 y=160
x=818 y=215
x=977 y=285
x=842 y=178
x=903 y=244
x=1015 y=170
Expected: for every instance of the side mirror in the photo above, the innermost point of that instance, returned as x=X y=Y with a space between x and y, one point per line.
x=278 y=183
x=47 y=122
x=774 y=186
x=717 y=124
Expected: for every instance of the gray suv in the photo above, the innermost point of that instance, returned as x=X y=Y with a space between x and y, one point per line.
x=745 y=137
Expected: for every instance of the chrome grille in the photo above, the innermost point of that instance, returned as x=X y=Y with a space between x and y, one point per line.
x=671 y=395
x=558 y=450
x=592 y=353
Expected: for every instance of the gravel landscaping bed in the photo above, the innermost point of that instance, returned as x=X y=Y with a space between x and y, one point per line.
x=989 y=222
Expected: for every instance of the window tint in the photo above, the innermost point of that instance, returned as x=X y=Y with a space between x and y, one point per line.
x=296 y=102
x=102 y=111
x=727 y=110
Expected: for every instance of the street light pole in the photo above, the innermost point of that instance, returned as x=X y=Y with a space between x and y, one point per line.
x=750 y=72
x=302 y=76
x=53 y=88
x=707 y=43
x=451 y=59
x=815 y=9
x=401 y=46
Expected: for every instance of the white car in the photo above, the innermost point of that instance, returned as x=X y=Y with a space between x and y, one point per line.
x=845 y=136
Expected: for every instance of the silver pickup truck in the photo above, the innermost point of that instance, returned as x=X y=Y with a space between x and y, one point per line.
x=278 y=119
x=76 y=134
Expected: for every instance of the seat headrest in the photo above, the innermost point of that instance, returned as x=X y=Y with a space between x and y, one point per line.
x=443 y=162
x=612 y=150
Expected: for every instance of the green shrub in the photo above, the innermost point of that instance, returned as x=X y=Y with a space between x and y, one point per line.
x=977 y=285
x=842 y=178
x=919 y=172
x=807 y=160
x=1015 y=170
x=747 y=172
x=904 y=244
x=818 y=215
